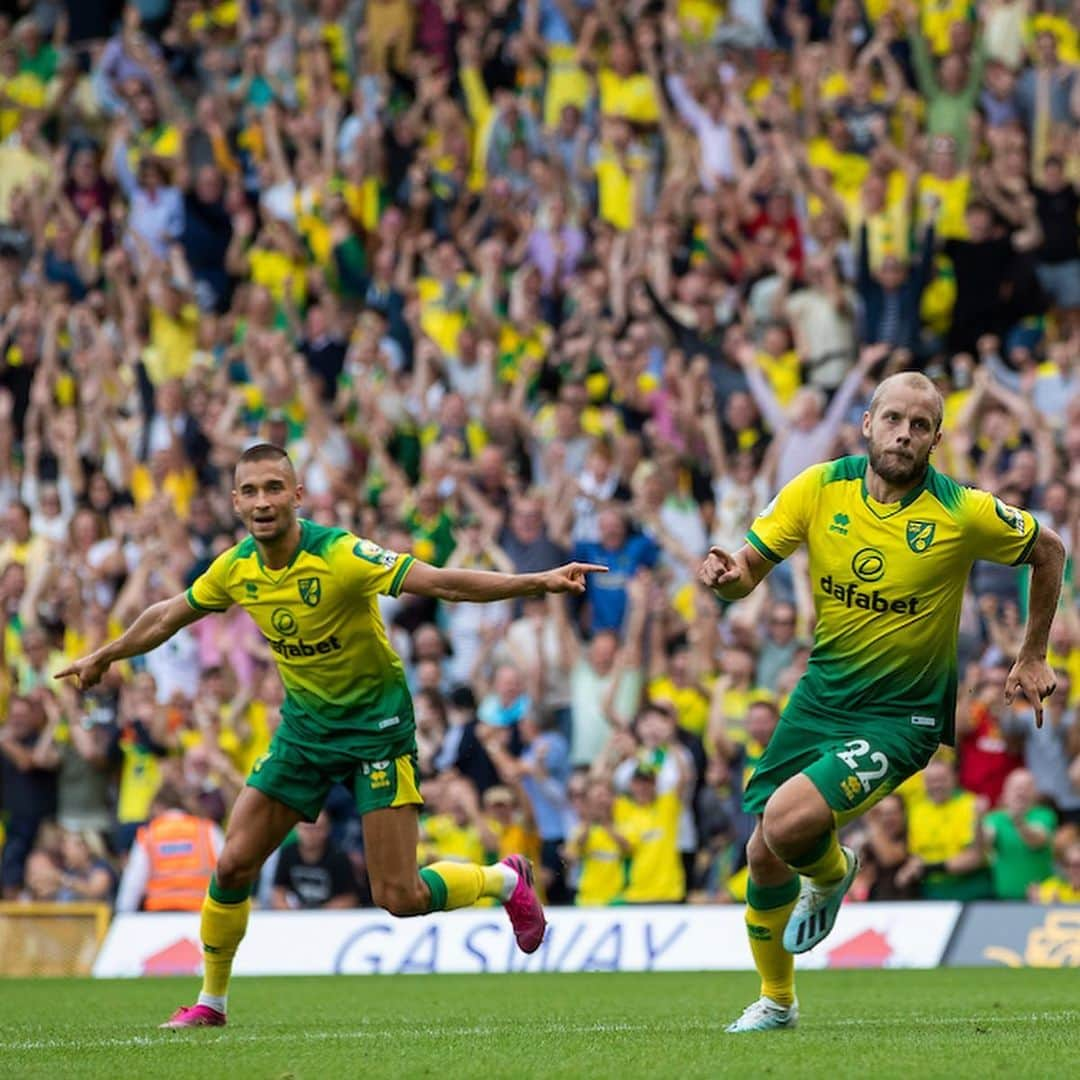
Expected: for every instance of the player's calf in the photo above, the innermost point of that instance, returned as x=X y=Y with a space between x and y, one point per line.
x=402 y=898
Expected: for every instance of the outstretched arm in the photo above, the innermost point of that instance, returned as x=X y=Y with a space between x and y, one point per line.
x=1031 y=675
x=482 y=586
x=154 y=626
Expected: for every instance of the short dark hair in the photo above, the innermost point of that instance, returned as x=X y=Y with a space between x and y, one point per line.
x=263 y=451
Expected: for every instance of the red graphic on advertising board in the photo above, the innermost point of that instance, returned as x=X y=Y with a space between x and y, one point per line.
x=183 y=957
x=870 y=949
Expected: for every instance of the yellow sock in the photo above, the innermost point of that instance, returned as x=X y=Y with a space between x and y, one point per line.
x=222 y=928
x=767 y=911
x=457 y=885
x=824 y=864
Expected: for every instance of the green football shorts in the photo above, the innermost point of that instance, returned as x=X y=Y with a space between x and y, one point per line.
x=853 y=763
x=301 y=776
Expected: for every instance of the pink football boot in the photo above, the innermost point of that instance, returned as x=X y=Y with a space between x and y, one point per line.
x=523 y=907
x=195 y=1016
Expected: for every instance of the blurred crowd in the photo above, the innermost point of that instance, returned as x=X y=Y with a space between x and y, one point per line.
x=513 y=280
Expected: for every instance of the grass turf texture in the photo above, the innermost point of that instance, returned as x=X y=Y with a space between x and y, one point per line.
x=954 y=1023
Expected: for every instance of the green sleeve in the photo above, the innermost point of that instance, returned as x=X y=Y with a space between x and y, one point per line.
x=923 y=64
x=975 y=75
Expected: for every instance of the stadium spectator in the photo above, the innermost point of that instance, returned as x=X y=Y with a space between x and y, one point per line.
x=1019 y=838
x=76 y=869
x=624 y=553
x=509 y=824
x=606 y=679
x=77 y=746
x=542 y=768
x=648 y=819
x=946 y=844
x=986 y=754
x=312 y=872
x=883 y=853
x=1063 y=888
x=27 y=783
x=172 y=858
x=598 y=850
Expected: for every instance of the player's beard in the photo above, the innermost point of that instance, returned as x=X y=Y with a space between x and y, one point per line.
x=898 y=466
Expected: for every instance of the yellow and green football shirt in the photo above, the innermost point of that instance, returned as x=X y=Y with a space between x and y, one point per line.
x=888 y=581
x=344 y=684
x=652 y=830
x=603 y=867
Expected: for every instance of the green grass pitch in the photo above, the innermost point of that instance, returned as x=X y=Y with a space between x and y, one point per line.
x=911 y=1024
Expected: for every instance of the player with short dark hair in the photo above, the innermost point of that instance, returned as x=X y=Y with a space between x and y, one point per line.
x=891 y=542
x=347 y=716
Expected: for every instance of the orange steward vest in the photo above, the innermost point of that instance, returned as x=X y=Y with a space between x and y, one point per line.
x=181 y=853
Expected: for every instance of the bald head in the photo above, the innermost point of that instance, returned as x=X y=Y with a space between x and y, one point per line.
x=902 y=384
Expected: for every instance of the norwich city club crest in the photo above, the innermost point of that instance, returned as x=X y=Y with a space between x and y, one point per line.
x=920 y=535
x=310 y=590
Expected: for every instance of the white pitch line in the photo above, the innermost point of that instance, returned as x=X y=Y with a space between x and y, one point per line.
x=553 y=1028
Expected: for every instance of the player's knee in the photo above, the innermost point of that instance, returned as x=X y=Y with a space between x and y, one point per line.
x=400 y=898
x=781 y=826
x=759 y=856
x=235 y=868
x=789 y=825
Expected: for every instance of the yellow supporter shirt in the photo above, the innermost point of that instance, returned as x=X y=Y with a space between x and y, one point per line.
x=482 y=117
x=516 y=347
x=1057 y=891
x=656 y=870
x=632 y=98
x=691 y=706
x=888 y=232
x=784 y=373
x=163 y=142
x=698 y=19
x=440 y=320
x=172 y=343
x=1066 y=32
x=567 y=83
x=848 y=171
x=888 y=581
x=615 y=185
x=1069 y=662
x=937 y=17
x=603 y=867
x=179 y=486
x=446 y=839
x=140 y=778
x=274 y=270
x=24 y=91
x=937 y=833
x=515 y=839
x=737 y=702
x=952 y=199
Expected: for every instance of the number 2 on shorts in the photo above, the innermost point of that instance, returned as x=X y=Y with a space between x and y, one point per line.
x=860 y=748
